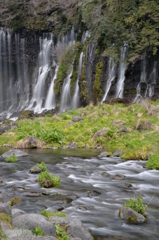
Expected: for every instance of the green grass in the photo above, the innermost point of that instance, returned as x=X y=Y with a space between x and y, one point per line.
x=53 y=214
x=42 y=166
x=11 y=159
x=5 y=218
x=56 y=132
x=153 y=162
x=136 y=204
x=37 y=231
x=46 y=179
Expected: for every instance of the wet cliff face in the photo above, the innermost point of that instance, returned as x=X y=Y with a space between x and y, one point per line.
x=141 y=77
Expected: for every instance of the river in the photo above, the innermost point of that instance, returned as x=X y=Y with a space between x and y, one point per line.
x=88 y=190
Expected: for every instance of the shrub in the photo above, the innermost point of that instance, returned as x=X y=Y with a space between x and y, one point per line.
x=51 y=136
x=53 y=214
x=136 y=204
x=12 y=158
x=48 y=180
x=61 y=234
x=42 y=166
x=37 y=231
x=153 y=162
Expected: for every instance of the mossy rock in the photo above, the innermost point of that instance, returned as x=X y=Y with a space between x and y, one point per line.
x=14 y=201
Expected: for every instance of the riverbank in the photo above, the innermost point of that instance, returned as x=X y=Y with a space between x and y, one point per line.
x=131 y=129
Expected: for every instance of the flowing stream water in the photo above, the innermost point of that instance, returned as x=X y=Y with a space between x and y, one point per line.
x=88 y=190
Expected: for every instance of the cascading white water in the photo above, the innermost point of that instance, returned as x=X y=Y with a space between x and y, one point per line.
x=14 y=83
x=43 y=69
x=50 y=102
x=85 y=35
x=143 y=78
x=121 y=75
x=65 y=103
x=15 y=80
x=76 y=100
x=153 y=78
x=111 y=76
x=149 y=92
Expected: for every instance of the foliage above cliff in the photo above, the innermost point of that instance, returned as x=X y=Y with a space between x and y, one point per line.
x=111 y=22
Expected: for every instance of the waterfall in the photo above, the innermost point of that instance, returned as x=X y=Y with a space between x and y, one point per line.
x=111 y=76
x=65 y=97
x=121 y=76
x=85 y=35
x=43 y=69
x=19 y=82
x=143 y=79
x=50 y=99
x=153 y=78
x=75 y=101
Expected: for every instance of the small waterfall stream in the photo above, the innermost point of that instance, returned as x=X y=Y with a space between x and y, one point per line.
x=111 y=76
x=65 y=96
x=121 y=76
x=153 y=78
x=50 y=99
x=75 y=100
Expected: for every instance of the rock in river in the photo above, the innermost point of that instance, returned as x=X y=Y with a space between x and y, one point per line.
x=32 y=220
x=35 y=169
x=5 y=208
x=32 y=238
x=130 y=215
x=74 y=227
x=18 y=153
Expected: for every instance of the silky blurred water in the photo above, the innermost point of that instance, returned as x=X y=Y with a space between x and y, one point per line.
x=88 y=190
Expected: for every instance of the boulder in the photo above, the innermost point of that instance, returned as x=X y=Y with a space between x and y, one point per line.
x=35 y=169
x=104 y=154
x=143 y=124
x=117 y=123
x=17 y=153
x=123 y=129
x=32 y=194
x=32 y=238
x=7 y=127
x=105 y=174
x=15 y=232
x=118 y=177
x=15 y=212
x=72 y=145
x=77 y=119
x=32 y=220
x=93 y=193
x=29 y=143
x=5 y=208
x=74 y=227
x=154 y=111
x=1 y=198
x=118 y=153
x=26 y=114
x=101 y=133
x=130 y=215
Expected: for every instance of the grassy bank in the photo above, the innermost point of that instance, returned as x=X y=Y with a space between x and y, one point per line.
x=56 y=131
